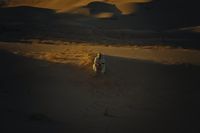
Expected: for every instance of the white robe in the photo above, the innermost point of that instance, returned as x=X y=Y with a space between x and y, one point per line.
x=100 y=61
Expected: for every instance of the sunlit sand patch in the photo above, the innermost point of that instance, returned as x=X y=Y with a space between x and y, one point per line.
x=104 y=15
x=75 y=55
x=82 y=59
x=158 y=54
x=82 y=54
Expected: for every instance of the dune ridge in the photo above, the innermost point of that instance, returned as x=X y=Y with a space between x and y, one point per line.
x=125 y=6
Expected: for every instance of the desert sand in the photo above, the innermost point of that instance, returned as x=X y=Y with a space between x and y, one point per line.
x=152 y=52
x=52 y=88
x=82 y=54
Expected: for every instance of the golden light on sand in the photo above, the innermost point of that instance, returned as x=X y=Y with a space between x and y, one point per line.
x=83 y=54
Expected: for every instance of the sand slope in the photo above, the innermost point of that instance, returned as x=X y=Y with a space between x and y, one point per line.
x=41 y=93
x=50 y=87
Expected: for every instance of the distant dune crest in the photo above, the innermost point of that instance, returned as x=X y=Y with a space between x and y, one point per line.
x=124 y=6
x=156 y=15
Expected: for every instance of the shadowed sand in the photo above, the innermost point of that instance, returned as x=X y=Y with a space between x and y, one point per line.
x=134 y=95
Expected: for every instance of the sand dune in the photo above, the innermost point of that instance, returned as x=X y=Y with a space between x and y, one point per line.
x=148 y=25
x=151 y=14
x=151 y=84
x=67 y=5
x=42 y=92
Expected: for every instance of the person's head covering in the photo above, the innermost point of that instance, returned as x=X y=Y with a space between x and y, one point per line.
x=99 y=55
